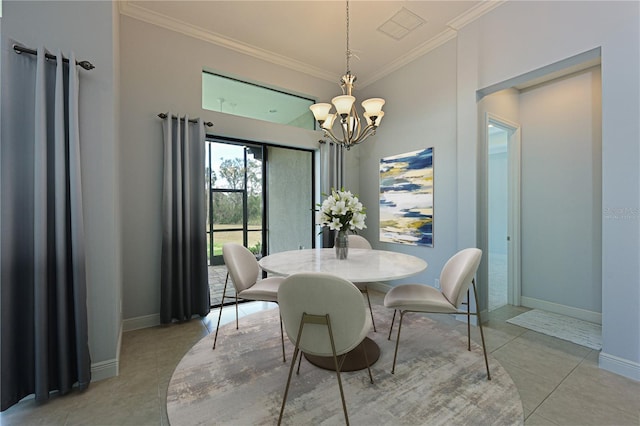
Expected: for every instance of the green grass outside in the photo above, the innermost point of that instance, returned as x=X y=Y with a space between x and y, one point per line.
x=221 y=238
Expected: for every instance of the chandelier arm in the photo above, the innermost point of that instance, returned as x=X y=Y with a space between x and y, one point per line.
x=329 y=133
x=370 y=130
x=344 y=124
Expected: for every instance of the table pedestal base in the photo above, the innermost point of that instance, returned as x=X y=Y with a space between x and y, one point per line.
x=355 y=359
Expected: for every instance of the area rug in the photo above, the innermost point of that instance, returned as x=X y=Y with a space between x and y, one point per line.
x=437 y=381
x=561 y=326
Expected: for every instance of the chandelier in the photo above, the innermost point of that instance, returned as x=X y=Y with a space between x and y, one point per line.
x=346 y=114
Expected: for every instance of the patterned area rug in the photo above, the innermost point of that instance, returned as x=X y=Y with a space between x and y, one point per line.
x=437 y=381
x=563 y=327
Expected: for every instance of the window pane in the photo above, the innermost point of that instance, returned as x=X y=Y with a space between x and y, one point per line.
x=236 y=97
x=227 y=165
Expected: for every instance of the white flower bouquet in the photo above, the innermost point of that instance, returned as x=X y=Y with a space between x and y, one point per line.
x=341 y=211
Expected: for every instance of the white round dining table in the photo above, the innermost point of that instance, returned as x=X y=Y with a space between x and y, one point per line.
x=361 y=265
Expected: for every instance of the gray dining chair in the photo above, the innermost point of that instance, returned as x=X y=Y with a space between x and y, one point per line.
x=456 y=278
x=358 y=242
x=244 y=270
x=323 y=315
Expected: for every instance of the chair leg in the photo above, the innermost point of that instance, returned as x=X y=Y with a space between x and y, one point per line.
x=293 y=363
x=286 y=389
x=237 y=310
x=335 y=361
x=366 y=291
x=484 y=348
x=299 y=362
x=392 y=321
x=366 y=359
x=224 y=291
x=395 y=355
x=284 y=359
x=469 y=320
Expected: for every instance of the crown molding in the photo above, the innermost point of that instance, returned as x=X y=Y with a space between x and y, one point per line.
x=474 y=13
x=446 y=35
x=172 y=24
x=164 y=21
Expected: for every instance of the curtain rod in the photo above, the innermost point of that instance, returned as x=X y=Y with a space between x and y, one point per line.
x=20 y=49
x=206 y=123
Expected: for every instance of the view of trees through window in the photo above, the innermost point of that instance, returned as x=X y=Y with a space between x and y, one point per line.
x=234 y=197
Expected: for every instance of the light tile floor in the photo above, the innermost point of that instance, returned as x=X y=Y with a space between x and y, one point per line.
x=559 y=382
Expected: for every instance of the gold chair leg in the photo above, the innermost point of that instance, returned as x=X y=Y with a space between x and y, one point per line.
x=299 y=362
x=237 y=311
x=284 y=359
x=469 y=319
x=335 y=361
x=366 y=291
x=484 y=348
x=395 y=355
x=286 y=389
x=293 y=363
x=392 y=321
x=366 y=359
x=224 y=291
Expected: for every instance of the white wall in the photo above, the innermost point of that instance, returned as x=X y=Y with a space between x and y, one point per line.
x=90 y=30
x=161 y=71
x=507 y=43
x=420 y=112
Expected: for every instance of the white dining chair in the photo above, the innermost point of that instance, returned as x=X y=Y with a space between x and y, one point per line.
x=456 y=278
x=358 y=242
x=323 y=315
x=243 y=268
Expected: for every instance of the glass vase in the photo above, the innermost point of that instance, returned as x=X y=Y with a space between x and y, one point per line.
x=341 y=245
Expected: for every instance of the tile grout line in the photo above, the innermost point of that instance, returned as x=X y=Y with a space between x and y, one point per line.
x=558 y=385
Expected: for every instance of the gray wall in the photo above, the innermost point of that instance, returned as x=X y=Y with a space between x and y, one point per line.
x=160 y=71
x=290 y=199
x=506 y=43
x=90 y=30
x=421 y=102
x=562 y=192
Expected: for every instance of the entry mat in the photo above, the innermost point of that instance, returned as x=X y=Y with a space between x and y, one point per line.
x=574 y=330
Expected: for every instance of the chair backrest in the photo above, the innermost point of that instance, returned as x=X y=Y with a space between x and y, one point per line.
x=241 y=264
x=457 y=274
x=317 y=293
x=358 y=242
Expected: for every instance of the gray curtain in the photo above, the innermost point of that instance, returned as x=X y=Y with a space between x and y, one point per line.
x=184 y=276
x=331 y=176
x=44 y=337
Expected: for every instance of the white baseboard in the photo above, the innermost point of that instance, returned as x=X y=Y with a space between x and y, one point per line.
x=621 y=366
x=104 y=369
x=137 y=323
x=583 y=314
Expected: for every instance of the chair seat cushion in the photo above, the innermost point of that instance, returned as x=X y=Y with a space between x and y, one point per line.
x=418 y=297
x=264 y=290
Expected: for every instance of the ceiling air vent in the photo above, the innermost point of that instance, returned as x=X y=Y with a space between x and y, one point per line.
x=401 y=24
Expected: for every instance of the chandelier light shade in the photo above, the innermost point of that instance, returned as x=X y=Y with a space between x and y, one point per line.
x=346 y=116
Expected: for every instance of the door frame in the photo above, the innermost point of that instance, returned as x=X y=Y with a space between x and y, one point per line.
x=514 y=286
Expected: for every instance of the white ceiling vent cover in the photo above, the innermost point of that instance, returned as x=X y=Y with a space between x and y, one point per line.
x=401 y=24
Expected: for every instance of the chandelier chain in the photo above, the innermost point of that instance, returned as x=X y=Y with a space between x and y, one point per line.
x=348 y=49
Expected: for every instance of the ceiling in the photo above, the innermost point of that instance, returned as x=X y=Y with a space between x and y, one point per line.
x=310 y=35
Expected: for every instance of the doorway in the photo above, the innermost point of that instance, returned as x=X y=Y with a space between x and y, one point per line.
x=503 y=226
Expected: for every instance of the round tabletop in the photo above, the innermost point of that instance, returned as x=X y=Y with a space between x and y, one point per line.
x=361 y=265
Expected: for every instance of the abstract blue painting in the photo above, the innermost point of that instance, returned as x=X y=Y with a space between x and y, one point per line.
x=406 y=198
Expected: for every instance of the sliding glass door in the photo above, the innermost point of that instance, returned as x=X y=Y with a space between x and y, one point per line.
x=235 y=199
x=260 y=196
